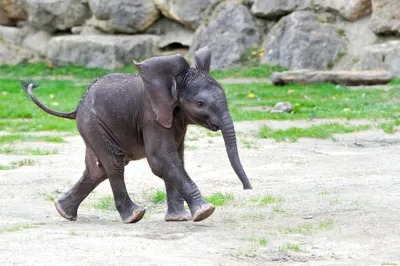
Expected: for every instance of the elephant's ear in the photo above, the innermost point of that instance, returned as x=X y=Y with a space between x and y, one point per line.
x=159 y=78
x=203 y=59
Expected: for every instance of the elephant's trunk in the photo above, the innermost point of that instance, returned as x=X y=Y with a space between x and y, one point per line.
x=228 y=132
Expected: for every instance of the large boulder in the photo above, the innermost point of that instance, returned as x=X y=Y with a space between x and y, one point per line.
x=386 y=17
x=277 y=8
x=382 y=56
x=11 y=34
x=36 y=41
x=126 y=16
x=230 y=31
x=52 y=15
x=12 y=54
x=300 y=40
x=171 y=32
x=100 y=50
x=13 y=11
x=352 y=78
x=348 y=9
x=190 y=13
x=4 y=20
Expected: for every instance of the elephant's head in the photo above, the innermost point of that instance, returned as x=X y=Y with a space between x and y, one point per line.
x=171 y=82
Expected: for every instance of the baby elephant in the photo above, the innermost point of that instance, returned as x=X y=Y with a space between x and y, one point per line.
x=125 y=117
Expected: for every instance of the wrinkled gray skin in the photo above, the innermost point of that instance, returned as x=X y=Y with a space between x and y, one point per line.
x=125 y=117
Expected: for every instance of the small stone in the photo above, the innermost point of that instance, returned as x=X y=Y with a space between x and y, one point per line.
x=282 y=107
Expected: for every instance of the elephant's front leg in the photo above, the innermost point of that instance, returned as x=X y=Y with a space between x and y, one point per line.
x=176 y=209
x=164 y=161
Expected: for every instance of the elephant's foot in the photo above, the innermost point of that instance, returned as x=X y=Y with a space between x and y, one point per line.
x=180 y=216
x=133 y=214
x=66 y=210
x=202 y=212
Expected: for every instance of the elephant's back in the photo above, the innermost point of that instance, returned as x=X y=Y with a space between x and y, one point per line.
x=112 y=92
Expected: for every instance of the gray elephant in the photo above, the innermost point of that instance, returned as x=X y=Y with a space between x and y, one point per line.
x=125 y=117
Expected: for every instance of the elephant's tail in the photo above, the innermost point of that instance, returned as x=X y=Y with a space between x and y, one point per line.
x=29 y=86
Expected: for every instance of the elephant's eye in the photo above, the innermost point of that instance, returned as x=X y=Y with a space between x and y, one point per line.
x=200 y=103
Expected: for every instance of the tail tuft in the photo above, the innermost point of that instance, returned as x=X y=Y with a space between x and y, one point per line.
x=25 y=84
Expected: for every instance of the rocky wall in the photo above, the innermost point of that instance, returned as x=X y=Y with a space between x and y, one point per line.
x=297 y=34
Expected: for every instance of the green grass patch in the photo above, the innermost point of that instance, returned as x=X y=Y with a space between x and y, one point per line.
x=290 y=246
x=308 y=228
x=19 y=114
x=16 y=228
x=267 y=199
x=325 y=225
x=395 y=81
x=27 y=151
x=104 y=203
x=159 y=197
x=311 y=101
x=45 y=69
x=317 y=131
x=218 y=199
x=14 y=165
x=13 y=138
x=389 y=127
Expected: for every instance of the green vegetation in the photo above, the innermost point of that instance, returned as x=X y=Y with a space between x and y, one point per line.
x=389 y=127
x=267 y=199
x=159 y=197
x=104 y=203
x=27 y=151
x=14 y=165
x=311 y=101
x=73 y=233
x=44 y=69
x=218 y=199
x=290 y=246
x=308 y=228
x=317 y=131
x=19 y=114
x=12 y=138
x=16 y=228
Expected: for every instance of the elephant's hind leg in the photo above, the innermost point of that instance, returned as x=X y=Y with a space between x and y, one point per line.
x=114 y=165
x=67 y=205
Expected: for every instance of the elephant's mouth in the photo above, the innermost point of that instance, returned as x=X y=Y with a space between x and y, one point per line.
x=211 y=126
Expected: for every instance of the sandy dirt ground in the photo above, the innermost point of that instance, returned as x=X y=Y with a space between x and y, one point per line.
x=341 y=206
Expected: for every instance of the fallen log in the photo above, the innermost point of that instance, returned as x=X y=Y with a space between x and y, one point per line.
x=342 y=77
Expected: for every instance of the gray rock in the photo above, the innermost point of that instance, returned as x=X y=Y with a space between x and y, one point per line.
x=12 y=54
x=349 y=9
x=190 y=13
x=52 y=15
x=276 y=8
x=386 y=17
x=382 y=56
x=171 y=32
x=282 y=107
x=351 y=78
x=37 y=41
x=86 y=30
x=126 y=16
x=11 y=34
x=301 y=41
x=106 y=51
x=229 y=32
